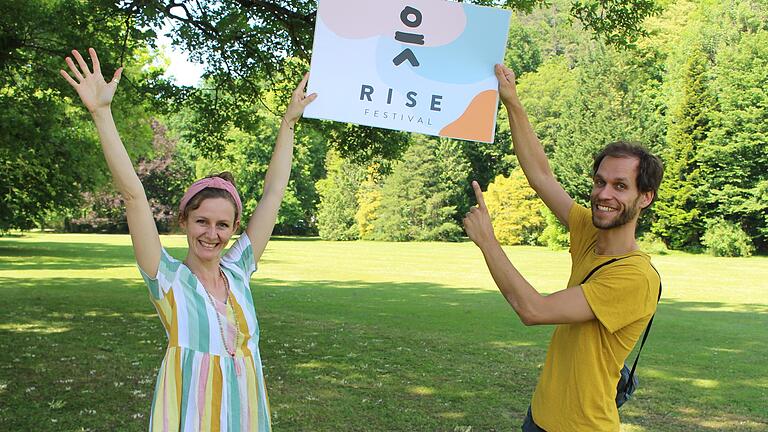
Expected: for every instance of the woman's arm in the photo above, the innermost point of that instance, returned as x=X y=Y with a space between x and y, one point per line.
x=97 y=95
x=262 y=221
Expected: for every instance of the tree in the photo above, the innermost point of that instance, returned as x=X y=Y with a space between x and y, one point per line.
x=734 y=157
x=678 y=219
x=546 y=95
x=245 y=148
x=165 y=176
x=419 y=199
x=48 y=149
x=261 y=34
x=246 y=43
x=610 y=103
x=369 y=200
x=336 y=213
x=37 y=154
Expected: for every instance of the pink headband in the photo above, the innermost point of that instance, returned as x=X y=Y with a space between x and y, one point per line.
x=211 y=182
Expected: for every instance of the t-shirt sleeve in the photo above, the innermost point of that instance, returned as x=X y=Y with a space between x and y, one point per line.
x=166 y=275
x=579 y=222
x=240 y=256
x=621 y=294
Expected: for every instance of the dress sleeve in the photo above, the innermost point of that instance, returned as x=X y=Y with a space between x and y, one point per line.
x=166 y=275
x=622 y=294
x=240 y=257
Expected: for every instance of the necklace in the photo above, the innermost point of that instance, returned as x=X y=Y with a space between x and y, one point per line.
x=232 y=351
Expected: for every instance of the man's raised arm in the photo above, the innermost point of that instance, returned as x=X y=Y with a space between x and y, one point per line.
x=529 y=151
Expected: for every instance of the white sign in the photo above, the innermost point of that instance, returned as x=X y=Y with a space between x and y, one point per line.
x=422 y=66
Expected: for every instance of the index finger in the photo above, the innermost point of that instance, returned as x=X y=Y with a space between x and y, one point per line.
x=95 y=61
x=303 y=83
x=478 y=194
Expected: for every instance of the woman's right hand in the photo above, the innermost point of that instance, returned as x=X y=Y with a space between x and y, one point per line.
x=299 y=101
x=93 y=90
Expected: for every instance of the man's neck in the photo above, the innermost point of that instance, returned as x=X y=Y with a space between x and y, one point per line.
x=616 y=241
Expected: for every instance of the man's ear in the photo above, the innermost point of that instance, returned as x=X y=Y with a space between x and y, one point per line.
x=646 y=199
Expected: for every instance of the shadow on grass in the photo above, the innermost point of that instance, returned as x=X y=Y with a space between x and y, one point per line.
x=74 y=256
x=292 y=238
x=355 y=355
x=63 y=256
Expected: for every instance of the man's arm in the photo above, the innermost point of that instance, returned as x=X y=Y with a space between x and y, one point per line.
x=562 y=307
x=529 y=151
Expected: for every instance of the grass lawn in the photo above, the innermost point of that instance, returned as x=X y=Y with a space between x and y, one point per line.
x=365 y=336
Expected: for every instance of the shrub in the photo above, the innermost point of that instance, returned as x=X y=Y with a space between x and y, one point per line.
x=725 y=238
x=515 y=209
x=104 y=212
x=554 y=235
x=652 y=244
x=447 y=231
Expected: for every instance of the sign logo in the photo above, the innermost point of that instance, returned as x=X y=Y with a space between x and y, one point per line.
x=409 y=38
x=414 y=65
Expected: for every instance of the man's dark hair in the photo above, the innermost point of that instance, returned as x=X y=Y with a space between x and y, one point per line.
x=650 y=170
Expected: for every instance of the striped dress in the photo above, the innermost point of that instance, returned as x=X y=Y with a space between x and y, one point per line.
x=200 y=387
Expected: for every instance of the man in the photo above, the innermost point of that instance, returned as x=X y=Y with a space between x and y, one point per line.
x=601 y=319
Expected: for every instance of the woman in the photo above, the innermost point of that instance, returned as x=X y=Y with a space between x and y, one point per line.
x=211 y=377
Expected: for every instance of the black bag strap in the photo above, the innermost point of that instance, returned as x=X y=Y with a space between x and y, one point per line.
x=647 y=328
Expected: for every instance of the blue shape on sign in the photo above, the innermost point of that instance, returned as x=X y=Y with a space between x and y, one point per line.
x=470 y=58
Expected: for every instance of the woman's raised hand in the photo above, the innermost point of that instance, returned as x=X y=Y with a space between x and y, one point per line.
x=299 y=101
x=93 y=90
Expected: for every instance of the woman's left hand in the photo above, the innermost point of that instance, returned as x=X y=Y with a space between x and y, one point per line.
x=299 y=101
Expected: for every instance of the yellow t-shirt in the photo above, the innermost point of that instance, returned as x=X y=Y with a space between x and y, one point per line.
x=577 y=387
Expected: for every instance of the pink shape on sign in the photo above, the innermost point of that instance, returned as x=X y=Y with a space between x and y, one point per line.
x=442 y=21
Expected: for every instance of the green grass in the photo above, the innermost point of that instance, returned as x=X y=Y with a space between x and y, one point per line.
x=366 y=336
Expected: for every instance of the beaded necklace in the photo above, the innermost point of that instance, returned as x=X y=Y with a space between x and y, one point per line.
x=233 y=351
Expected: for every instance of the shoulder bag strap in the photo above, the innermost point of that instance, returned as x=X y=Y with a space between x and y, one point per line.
x=648 y=328
x=645 y=334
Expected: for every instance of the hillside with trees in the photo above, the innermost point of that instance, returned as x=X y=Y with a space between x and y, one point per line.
x=687 y=79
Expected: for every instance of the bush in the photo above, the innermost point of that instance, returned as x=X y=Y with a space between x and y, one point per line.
x=447 y=231
x=652 y=244
x=554 y=235
x=725 y=238
x=104 y=213
x=515 y=209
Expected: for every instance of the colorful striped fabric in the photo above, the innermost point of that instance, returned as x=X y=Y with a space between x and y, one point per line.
x=200 y=387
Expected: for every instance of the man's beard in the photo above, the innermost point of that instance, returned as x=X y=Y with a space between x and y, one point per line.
x=626 y=214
